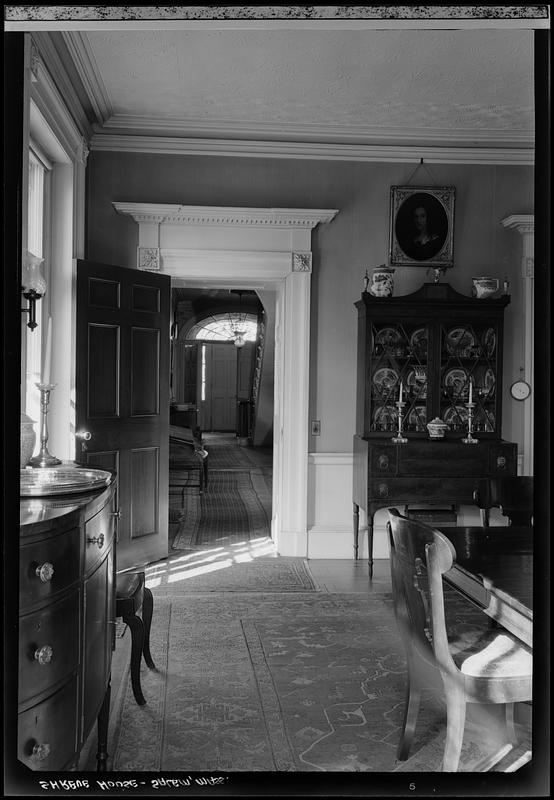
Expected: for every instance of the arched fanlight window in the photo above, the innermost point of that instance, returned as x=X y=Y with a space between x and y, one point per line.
x=229 y=326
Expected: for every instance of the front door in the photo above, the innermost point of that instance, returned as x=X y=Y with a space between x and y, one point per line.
x=219 y=387
x=122 y=398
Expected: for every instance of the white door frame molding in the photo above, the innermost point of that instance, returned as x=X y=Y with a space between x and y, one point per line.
x=524 y=224
x=255 y=248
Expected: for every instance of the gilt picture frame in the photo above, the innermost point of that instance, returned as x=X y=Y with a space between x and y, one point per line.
x=422 y=226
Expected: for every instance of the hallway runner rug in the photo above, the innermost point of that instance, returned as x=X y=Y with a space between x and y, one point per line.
x=230 y=509
x=312 y=682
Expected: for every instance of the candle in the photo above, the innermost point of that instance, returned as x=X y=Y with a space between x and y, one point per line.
x=470 y=390
x=400 y=393
x=47 y=354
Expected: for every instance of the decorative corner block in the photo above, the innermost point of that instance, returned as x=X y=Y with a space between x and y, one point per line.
x=301 y=262
x=148 y=257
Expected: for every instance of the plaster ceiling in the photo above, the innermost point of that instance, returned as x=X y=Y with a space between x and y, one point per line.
x=475 y=86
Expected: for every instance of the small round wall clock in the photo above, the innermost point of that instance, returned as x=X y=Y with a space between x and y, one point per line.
x=520 y=390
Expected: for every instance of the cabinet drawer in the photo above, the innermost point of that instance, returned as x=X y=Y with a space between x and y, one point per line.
x=47 y=567
x=421 y=489
x=47 y=732
x=444 y=458
x=48 y=646
x=99 y=531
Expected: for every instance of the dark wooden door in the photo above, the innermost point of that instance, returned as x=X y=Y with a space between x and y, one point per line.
x=122 y=398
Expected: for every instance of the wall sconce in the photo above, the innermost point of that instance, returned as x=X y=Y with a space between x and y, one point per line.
x=33 y=284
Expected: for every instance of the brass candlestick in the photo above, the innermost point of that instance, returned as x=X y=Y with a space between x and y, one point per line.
x=43 y=458
x=399 y=438
x=469 y=438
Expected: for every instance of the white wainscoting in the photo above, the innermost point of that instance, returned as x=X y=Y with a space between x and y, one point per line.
x=330 y=531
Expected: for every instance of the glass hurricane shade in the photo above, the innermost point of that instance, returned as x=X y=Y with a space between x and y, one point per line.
x=32 y=275
x=33 y=284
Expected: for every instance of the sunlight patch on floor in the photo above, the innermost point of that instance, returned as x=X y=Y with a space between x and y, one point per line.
x=212 y=559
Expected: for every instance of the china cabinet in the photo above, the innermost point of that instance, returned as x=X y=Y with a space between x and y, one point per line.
x=66 y=626
x=440 y=353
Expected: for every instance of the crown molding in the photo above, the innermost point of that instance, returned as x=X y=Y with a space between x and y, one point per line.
x=218 y=215
x=166 y=145
x=59 y=83
x=523 y=223
x=140 y=125
x=81 y=53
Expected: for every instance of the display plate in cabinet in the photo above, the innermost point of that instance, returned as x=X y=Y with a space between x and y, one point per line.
x=47 y=733
x=48 y=646
x=48 y=566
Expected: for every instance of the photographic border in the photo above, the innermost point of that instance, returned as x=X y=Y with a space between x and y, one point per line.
x=444 y=195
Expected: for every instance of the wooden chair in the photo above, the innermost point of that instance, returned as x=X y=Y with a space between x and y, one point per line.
x=483 y=665
x=192 y=458
x=132 y=596
x=513 y=495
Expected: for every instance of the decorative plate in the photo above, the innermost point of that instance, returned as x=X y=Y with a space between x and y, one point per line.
x=418 y=379
x=418 y=340
x=457 y=379
x=489 y=341
x=388 y=336
x=385 y=378
x=418 y=417
x=384 y=417
x=489 y=382
x=459 y=341
x=455 y=415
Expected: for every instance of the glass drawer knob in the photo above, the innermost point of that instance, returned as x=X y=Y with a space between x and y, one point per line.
x=383 y=462
x=501 y=462
x=45 y=572
x=40 y=751
x=383 y=490
x=97 y=540
x=44 y=655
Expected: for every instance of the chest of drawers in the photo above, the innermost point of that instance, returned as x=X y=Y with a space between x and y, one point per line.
x=66 y=616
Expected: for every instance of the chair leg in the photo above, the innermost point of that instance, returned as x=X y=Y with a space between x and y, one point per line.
x=510 y=727
x=455 y=724
x=137 y=644
x=147 y=611
x=411 y=710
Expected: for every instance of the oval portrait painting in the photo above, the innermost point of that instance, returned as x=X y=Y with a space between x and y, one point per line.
x=421 y=226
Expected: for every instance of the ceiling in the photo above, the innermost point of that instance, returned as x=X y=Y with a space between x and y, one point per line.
x=470 y=87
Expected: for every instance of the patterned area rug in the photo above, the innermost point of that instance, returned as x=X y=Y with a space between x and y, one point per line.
x=276 y=682
x=225 y=453
x=235 y=507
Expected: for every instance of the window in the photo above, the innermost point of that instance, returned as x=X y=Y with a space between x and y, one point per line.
x=38 y=184
x=225 y=327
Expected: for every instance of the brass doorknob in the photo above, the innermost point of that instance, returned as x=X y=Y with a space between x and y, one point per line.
x=86 y=435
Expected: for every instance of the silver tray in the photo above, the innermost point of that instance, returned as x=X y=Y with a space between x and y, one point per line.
x=38 y=482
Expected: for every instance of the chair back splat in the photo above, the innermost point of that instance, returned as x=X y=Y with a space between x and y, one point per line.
x=513 y=495
x=480 y=666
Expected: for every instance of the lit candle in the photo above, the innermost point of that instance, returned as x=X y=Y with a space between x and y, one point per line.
x=470 y=390
x=47 y=354
x=400 y=393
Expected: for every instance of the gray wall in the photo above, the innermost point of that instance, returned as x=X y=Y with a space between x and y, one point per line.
x=356 y=240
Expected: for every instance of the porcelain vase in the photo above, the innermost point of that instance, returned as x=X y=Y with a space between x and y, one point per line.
x=27 y=441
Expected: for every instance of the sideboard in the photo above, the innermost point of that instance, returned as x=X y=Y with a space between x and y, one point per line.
x=66 y=626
